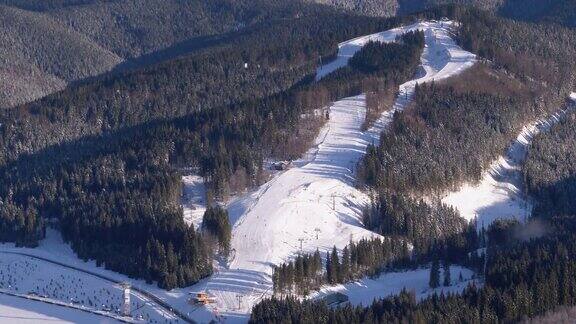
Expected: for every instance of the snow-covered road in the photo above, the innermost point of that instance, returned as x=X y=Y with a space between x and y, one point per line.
x=315 y=205
x=499 y=194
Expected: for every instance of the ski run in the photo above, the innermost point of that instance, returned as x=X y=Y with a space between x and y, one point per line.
x=499 y=194
x=313 y=205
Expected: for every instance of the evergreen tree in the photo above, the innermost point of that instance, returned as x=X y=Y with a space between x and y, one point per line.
x=334 y=267
x=435 y=274
x=216 y=222
x=345 y=266
x=446 y=266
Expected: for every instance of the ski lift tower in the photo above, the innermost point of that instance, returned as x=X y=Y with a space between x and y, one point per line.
x=126 y=294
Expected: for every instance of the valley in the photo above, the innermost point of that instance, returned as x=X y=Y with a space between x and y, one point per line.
x=314 y=161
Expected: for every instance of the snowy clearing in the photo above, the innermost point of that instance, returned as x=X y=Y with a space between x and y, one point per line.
x=193 y=199
x=364 y=291
x=499 y=194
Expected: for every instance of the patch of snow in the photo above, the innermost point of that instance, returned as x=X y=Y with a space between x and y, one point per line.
x=363 y=292
x=499 y=194
x=23 y=274
x=193 y=199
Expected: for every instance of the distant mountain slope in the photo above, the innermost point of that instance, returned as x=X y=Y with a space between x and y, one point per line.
x=132 y=28
x=552 y=11
x=38 y=56
x=556 y=11
x=43 y=5
x=45 y=45
x=385 y=8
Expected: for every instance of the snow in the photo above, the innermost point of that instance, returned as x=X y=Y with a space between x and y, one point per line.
x=22 y=274
x=364 y=291
x=499 y=194
x=456 y=57
x=22 y=311
x=193 y=199
x=315 y=205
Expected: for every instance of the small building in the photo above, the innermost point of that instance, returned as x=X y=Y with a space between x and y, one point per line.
x=281 y=165
x=335 y=299
x=202 y=298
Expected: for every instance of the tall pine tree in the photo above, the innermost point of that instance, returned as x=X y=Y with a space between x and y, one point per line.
x=446 y=266
x=435 y=274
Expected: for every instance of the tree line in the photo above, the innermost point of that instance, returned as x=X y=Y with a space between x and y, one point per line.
x=308 y=272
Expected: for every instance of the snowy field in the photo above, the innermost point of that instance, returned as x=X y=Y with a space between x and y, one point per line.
x=364 y=291
x=25 y=275
x=21 y=311
x=499 y=194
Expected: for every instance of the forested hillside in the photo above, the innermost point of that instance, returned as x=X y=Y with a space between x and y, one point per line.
x=530 y=267
x=529 y=272
x=130 y=28
x=451 y=133
x=455 y=128
x=47 y=45
x=99 y=34
x=270 y=59
x=103 y=157
x=550 y=170
x=549 y=11
x=39 y=55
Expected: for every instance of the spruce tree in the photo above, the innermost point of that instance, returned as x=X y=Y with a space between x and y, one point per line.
x=328 y=268
x=435 y=274
x=446 y=266
x=345 y=265
x=335 y=267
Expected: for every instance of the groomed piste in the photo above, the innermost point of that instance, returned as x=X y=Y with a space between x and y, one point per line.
x=315 y=205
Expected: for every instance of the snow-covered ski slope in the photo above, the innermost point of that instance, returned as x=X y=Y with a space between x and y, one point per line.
x=315 y=205
x=499 y=194
x=438 y=30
